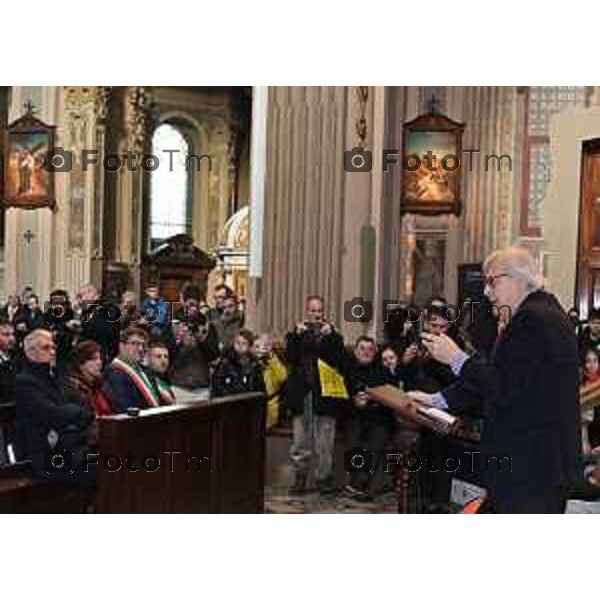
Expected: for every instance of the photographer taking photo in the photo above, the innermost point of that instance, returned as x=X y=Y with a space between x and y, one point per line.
x=314 y=412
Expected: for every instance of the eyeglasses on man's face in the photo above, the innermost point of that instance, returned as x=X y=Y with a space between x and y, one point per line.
x=490 y=280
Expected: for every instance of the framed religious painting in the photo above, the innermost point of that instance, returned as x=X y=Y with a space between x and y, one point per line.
x=28 y=178
x=431 y=165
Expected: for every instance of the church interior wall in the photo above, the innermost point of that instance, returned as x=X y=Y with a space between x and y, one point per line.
x=325 y=231
x=561 y=208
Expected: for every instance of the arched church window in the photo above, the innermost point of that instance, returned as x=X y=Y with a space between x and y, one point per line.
x=170 y=187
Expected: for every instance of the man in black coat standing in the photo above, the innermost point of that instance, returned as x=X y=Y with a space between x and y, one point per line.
x=314 y=413
x=100 y=321
x=528 y=391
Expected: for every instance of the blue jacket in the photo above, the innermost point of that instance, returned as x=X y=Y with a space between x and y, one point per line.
x=156 y=312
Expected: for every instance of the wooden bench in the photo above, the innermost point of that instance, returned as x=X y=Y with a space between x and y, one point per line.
x=19 y=491
x=15 y=479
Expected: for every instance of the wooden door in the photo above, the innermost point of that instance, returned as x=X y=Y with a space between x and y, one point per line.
x=588 y=264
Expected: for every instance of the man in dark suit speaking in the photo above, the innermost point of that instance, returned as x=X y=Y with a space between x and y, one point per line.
x=527 y=392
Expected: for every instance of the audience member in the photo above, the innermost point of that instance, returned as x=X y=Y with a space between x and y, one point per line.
x=590 y=374
x=589 y=336
x=370 y=424
x=230 y=322
x=29 y=317
x=100 y=321
x=10 y=310
x=314 y=408
x=60 y=319
x=129 y=310
x=129 y=384
x=155 y=311
x=421 y=371
x=196 y=348
x=49 y=423
x=221 y=292
x=7 y=363
x=83 y=381
x=157 y=363
x=238 y=371
x=275 y=375
x=391 y=362
x=575 y=319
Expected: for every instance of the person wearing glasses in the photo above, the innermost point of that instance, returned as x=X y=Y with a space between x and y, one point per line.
x=527 y=391
x=127 y=381
x=56 y=433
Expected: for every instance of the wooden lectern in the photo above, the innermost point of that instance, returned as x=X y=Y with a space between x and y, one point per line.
x=211 y=457
x=412 y=415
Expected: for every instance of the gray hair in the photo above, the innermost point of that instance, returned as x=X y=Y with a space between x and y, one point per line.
x=31 y=340
x=517 y=262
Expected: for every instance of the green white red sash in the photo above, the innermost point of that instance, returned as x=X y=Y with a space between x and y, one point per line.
x=140 y=380
x=165 y=391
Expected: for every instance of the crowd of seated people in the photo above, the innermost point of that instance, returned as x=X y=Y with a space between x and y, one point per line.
x=67 y=362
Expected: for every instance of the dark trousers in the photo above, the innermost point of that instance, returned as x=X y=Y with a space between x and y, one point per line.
x=551 y=503
x=372 y=435
x=434 y=477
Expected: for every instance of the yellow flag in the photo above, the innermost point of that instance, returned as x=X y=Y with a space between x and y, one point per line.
x=332 y=383
x=274 y=375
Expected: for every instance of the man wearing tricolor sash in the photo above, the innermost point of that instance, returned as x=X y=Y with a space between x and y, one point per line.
x=129 y=383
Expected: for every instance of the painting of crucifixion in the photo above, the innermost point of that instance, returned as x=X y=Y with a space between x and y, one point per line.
x=28 y=183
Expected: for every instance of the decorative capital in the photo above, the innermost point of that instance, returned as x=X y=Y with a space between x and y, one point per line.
x=101 y=101
x=137 y=118
x=77 y=96
x=362 y=93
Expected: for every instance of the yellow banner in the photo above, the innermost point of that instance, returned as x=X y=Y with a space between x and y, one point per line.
x=332 y=383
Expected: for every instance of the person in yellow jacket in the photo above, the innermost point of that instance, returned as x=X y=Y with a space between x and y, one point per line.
x=275 y=375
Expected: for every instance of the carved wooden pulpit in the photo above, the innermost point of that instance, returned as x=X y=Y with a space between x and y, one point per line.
x=176 y=263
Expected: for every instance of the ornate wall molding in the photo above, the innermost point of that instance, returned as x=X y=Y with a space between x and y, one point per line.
x=137 y=118
x=362 y=128
x=102 y=98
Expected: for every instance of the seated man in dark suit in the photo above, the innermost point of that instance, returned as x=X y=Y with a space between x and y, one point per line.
x=128 y=383
x=528 y=391
x=57 y=435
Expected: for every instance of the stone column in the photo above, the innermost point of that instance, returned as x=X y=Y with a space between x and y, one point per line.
x=78 y=242
x=133 y=184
